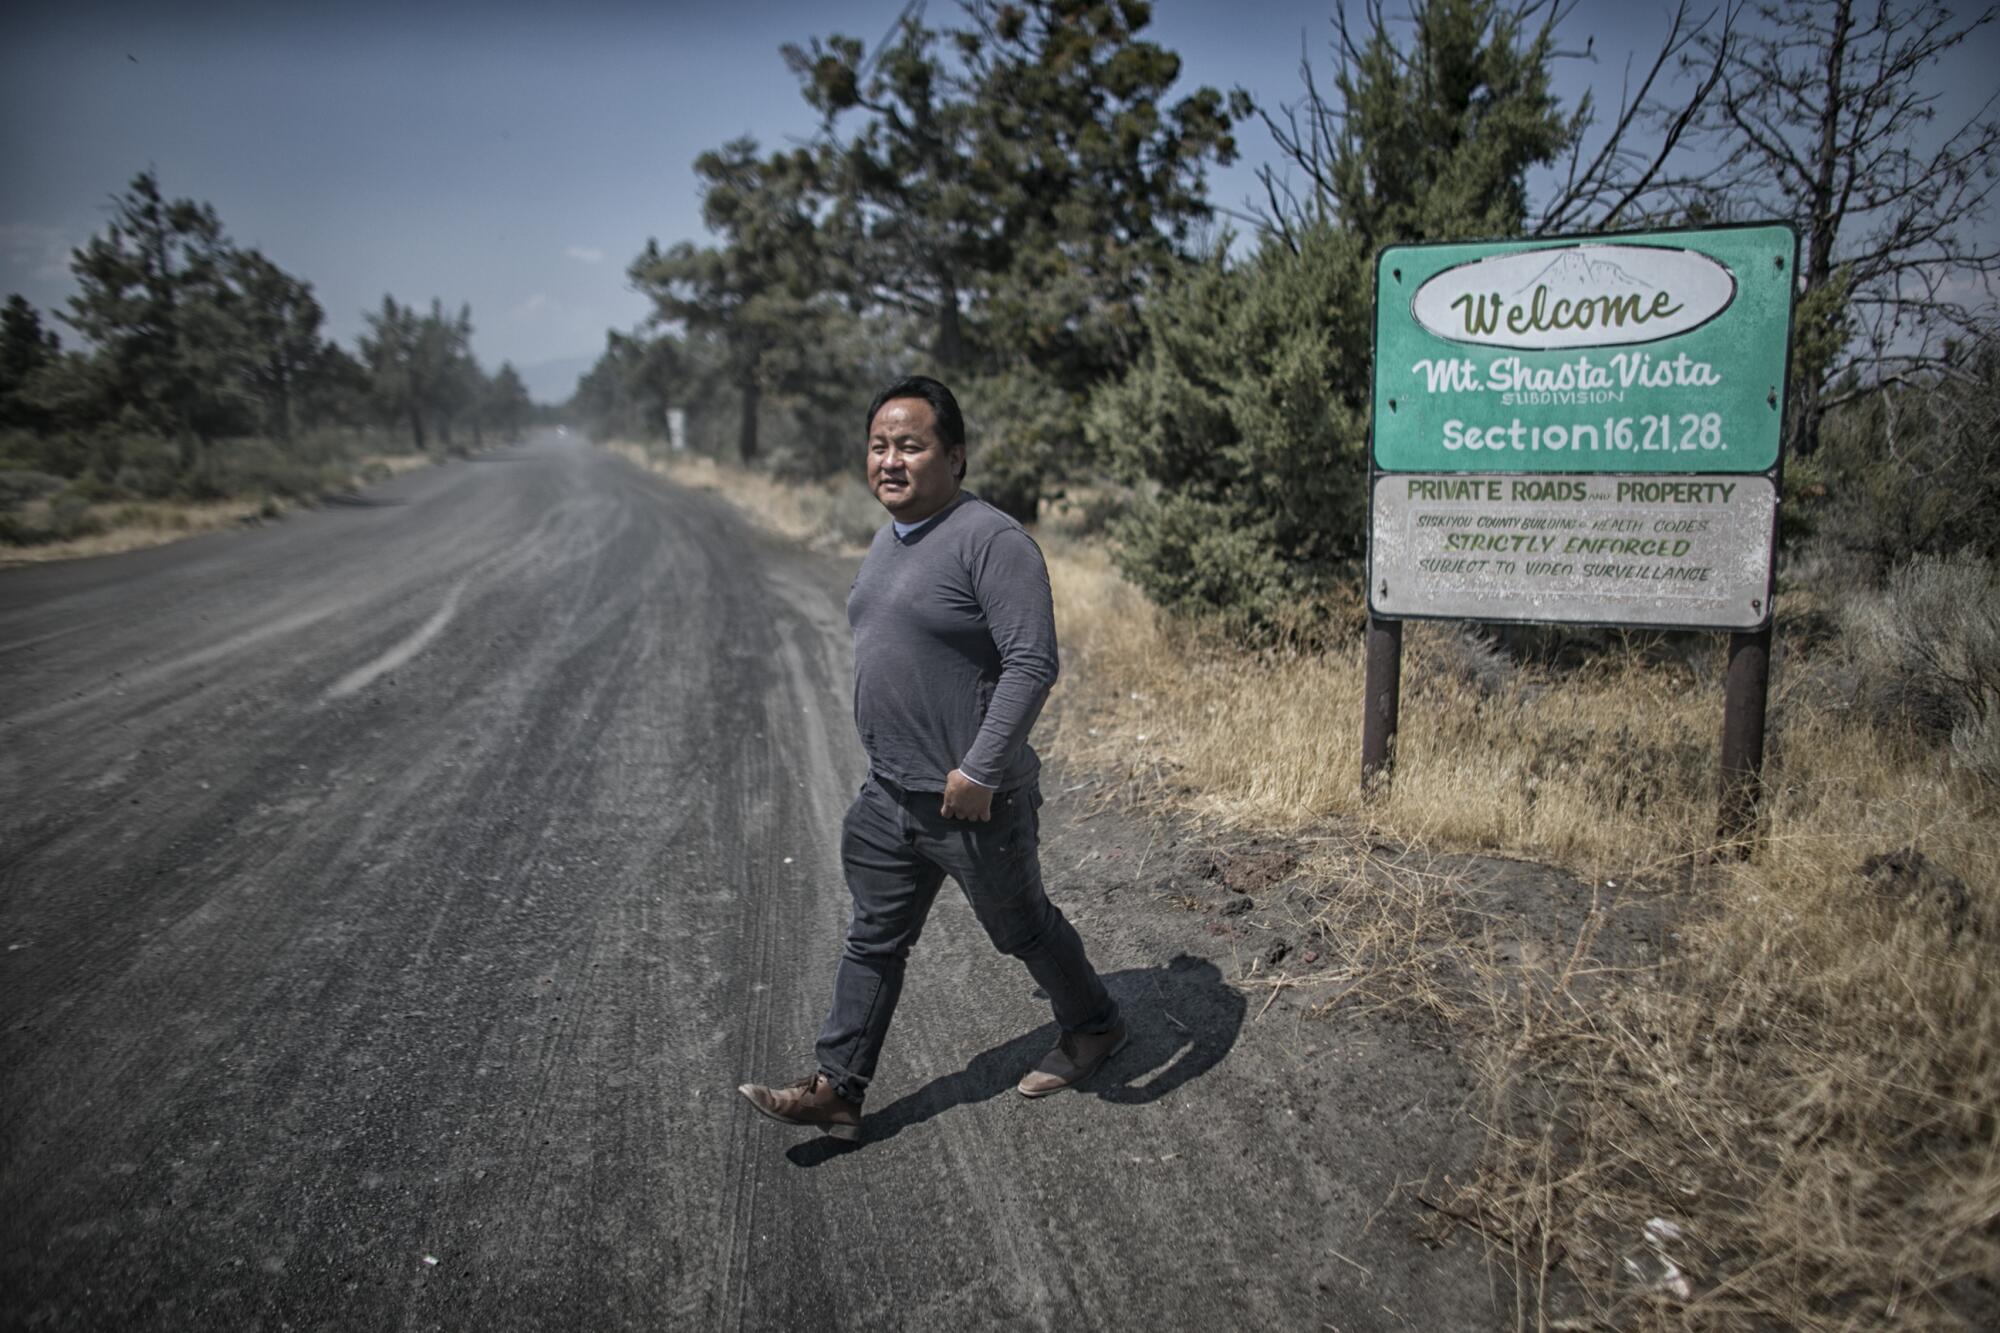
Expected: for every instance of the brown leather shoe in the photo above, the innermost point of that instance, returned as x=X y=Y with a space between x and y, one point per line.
x=811 y=1103
x=1075 y=1058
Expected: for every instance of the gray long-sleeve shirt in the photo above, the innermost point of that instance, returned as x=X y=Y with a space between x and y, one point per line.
x=954 y=649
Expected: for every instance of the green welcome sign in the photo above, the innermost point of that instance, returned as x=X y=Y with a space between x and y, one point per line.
x=1646 y=352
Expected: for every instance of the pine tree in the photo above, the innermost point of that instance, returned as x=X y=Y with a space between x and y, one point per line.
x=910 y=229
x=281 y=324
x=1013 y=188
x=155 y=303
x=389 y=354
x=625 y=395
x=761 y=293
x=1096 y=178
x=26 y=348
x=1248 y=411
x=510 y=405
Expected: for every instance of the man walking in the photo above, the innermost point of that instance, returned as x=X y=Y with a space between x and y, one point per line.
x=954 y=652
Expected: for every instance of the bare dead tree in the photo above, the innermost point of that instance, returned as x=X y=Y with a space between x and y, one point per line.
x=1640 y=169
x=1827 y=116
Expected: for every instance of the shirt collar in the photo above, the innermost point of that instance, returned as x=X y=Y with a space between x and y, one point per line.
x=905 y=531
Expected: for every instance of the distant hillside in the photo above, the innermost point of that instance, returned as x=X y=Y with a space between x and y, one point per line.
x=554 y=381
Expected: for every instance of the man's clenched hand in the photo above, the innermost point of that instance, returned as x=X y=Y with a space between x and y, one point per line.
x=966 y=799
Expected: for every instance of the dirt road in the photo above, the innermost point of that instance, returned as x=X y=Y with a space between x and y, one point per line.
x=391 y=899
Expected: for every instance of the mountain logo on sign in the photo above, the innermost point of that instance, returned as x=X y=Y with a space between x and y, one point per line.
x=1588 y=295
x=1573 y=272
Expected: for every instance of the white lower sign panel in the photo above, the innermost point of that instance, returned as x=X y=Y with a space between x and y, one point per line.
x=1683 y=551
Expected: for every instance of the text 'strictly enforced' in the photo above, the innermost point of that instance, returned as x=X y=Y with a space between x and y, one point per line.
x=1582 y=430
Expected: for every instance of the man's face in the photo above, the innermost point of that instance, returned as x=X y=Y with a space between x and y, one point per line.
x=911 y=473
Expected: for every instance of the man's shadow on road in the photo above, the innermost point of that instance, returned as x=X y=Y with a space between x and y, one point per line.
x=1183 y=1018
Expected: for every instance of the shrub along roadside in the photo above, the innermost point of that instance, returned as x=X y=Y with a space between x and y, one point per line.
x=1241 y=424
x=1933 y=641
x=136 y=495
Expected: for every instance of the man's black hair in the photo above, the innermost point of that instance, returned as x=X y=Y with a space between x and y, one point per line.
x=950 y=421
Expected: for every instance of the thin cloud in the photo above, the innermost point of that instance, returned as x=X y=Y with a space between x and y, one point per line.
x=42 y=252
x=588 y=254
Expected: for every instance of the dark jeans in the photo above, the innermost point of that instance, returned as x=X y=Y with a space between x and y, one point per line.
x=897 y=849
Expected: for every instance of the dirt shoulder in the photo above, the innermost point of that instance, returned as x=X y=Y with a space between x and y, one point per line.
x=1349 y=1082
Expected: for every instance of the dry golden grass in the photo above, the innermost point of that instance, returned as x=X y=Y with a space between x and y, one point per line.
x=1807 y=1093
x=836 y=515
x=1792 y=1121
x=392 y=465
x=131 y=525
x=1585 y=770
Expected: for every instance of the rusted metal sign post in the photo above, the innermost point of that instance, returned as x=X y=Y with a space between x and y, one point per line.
x=1585 y=431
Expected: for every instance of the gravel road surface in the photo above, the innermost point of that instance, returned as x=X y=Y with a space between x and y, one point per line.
x=392 y=897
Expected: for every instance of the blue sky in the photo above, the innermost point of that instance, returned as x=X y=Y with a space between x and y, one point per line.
x=511 y=156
